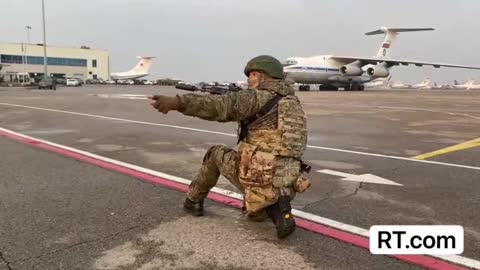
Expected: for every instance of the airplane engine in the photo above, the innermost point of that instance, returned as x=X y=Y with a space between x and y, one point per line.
x=353 y=69
x=378 y=71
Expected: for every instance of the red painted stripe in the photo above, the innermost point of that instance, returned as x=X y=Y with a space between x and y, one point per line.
x=363 y=242
x=353 y=239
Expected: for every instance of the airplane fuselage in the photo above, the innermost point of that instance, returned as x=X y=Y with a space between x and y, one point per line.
x=467 y=87
x=127 y=76
x=320 y=70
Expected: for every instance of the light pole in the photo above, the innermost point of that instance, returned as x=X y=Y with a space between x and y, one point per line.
x=28 y=27
x=28 y=33
x=45 y=71
x=24 y=58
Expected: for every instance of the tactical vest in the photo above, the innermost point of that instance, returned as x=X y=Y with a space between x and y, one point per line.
x=270 y=154
x=283 y=131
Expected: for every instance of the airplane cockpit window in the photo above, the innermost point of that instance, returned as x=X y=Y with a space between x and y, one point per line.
x=289 y=62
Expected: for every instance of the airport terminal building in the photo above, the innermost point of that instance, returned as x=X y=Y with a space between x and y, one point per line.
x=84 y=62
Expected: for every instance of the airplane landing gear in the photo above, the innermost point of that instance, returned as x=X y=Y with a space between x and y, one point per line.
x=354 y=87
x=326 y=87
x=304 y=88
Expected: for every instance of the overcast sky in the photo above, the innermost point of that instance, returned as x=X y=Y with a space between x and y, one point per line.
x=199 y=40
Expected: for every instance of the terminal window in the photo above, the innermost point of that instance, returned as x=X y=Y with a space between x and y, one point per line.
x=11 y=59
x=38 y=60
x=94 y=63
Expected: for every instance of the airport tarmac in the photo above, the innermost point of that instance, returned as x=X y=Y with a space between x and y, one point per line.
x=65 y=214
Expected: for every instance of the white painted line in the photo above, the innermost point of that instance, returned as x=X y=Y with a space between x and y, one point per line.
x=450 y=112
x=395 y=157
x=428 y=110
x=363 y=178
x=331 y=223
x=119 y=119
x=439 y=110
x=121 y=96
x=460 y=260
x=234 y=135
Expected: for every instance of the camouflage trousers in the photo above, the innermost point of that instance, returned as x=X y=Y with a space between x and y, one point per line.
x=220 y=160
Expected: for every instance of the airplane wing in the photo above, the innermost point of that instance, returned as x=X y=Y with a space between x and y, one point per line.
x=395 y=62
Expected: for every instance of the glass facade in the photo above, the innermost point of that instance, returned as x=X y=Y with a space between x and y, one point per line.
x=38 y=60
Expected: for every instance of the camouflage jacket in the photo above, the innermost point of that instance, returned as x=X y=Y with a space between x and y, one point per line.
x=236 y=106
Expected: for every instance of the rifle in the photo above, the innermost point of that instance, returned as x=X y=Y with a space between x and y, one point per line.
x=187 y=87
x=214 y=90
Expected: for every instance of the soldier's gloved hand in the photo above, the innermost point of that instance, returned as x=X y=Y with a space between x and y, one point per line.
x=165 y=104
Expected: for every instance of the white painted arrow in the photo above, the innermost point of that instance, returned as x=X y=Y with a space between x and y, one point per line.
x=365 y=178
x=121 y=96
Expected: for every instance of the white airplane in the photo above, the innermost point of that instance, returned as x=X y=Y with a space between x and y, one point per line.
x=400 y=85
x=440 y=86
x=138 y=71
x=379 y=83
x=350 y=72
x=425 y=84
x=469 y=85
x=443 y=86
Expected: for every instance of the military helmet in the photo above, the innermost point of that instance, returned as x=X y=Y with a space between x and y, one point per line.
x=267 y=64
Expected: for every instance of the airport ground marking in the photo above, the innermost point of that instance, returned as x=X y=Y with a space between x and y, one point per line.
x=234 y=135
x=458 y=147
x=363 y=178
x=450 y=111
x=334 y=229
x=121 y=96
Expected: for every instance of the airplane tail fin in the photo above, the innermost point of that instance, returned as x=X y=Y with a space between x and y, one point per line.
x=390 y=35
x=143 y=66
x=455 y=82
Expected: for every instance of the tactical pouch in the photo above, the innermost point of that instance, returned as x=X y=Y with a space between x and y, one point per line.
x=257 y=198
x=256 y=170
x=256 y=167
x=301 y=184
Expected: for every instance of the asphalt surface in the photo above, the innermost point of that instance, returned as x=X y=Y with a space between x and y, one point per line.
x=147 y=228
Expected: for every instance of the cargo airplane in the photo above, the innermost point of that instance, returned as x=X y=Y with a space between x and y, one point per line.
x=350 y=72
x=138 y=71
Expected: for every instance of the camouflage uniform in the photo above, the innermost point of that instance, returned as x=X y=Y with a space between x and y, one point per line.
x=284 y=164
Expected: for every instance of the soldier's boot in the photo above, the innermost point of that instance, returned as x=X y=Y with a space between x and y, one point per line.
x=193 y=208
x=281 y=215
